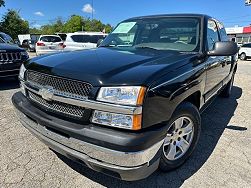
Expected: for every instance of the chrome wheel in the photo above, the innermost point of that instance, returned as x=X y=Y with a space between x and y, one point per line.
x=179 y=138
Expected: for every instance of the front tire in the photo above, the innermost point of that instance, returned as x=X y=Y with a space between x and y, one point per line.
x=243 y=56
x=182 y=137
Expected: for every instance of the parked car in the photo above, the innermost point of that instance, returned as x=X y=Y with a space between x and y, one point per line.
x=29 y=45
x=11 y=58
x=49 y=44
x=245 y=51
x=132 y=105
x=83 y=40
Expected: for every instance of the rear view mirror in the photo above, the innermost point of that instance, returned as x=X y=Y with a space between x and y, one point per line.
x=224 y=48
x=99 y=42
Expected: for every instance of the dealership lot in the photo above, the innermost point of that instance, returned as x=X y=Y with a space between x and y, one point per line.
x=223 y=157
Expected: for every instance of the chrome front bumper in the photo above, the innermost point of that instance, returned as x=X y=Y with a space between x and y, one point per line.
x=129 y=166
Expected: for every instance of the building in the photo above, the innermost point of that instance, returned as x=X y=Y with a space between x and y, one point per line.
x=240 y=35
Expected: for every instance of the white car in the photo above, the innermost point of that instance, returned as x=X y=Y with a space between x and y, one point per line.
x=82 y=40
x=49 y=44
x=245 y=51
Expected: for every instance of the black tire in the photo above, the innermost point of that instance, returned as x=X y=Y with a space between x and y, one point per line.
x=226 y=92
x=189 y=110
x=243 y=56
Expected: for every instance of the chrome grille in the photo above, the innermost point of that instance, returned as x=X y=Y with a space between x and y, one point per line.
x=6 y=57
x=68 y=88
x=55 y=106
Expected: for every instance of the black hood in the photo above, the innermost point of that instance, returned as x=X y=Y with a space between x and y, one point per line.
x=107 y=66
x=10 y=48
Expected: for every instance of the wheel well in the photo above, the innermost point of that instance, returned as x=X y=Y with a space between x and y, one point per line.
x=242 y=53
x=194 y=99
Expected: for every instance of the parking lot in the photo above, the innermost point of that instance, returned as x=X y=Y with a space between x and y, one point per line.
x=223 y=157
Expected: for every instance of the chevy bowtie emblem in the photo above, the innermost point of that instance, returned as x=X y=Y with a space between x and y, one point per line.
x=46 y=93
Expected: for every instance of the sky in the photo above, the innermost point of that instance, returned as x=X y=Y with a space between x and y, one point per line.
x=40 y=12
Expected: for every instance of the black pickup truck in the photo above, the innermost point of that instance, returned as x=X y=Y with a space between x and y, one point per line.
x=11 y=58
x=132 y=105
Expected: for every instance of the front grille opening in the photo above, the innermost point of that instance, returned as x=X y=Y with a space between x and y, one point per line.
x=62 y=85
x=58 y=107
x=11 y=56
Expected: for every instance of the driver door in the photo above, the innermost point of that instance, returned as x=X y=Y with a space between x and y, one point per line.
x=215 y=64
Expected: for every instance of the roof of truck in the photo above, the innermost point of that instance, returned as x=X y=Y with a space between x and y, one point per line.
x=171 y=15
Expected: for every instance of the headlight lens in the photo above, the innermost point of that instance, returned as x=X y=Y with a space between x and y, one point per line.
x=127 y=95
x=22 y=72
x=132 y=122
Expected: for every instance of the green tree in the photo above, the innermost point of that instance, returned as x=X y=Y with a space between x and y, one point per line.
x=13 y=24
x=75 y=23
x=58 y=26
x=35 y=31
x=96 y=25
x=108 y=28
x=2 y=3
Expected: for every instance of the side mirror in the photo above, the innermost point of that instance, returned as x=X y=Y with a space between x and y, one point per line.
x=224 y=48
x=99 y=42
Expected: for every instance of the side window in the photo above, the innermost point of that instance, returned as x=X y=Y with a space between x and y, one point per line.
x=212 y=34
x=223 y=33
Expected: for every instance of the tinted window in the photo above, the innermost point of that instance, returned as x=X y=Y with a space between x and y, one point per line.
x=223 y=33
x=212 y=34
x=246 y=45
x=87 y=38
x=51 y=39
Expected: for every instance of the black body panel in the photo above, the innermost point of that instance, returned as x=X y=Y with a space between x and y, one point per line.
x=110 y=67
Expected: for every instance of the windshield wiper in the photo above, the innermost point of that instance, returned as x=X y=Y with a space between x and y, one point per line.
x=107 y=46
x=145 y=47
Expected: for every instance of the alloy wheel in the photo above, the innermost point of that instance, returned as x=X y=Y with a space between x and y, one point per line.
x=179 y=138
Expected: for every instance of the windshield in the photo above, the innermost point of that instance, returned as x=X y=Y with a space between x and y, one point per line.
x=178 y=34
x=51 y=39
x=6 y=38
x=1 y=40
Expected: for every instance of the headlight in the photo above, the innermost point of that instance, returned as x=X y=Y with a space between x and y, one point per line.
x=22 y=72
x=132 y=122
x=25 y=54
x=127 y=95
